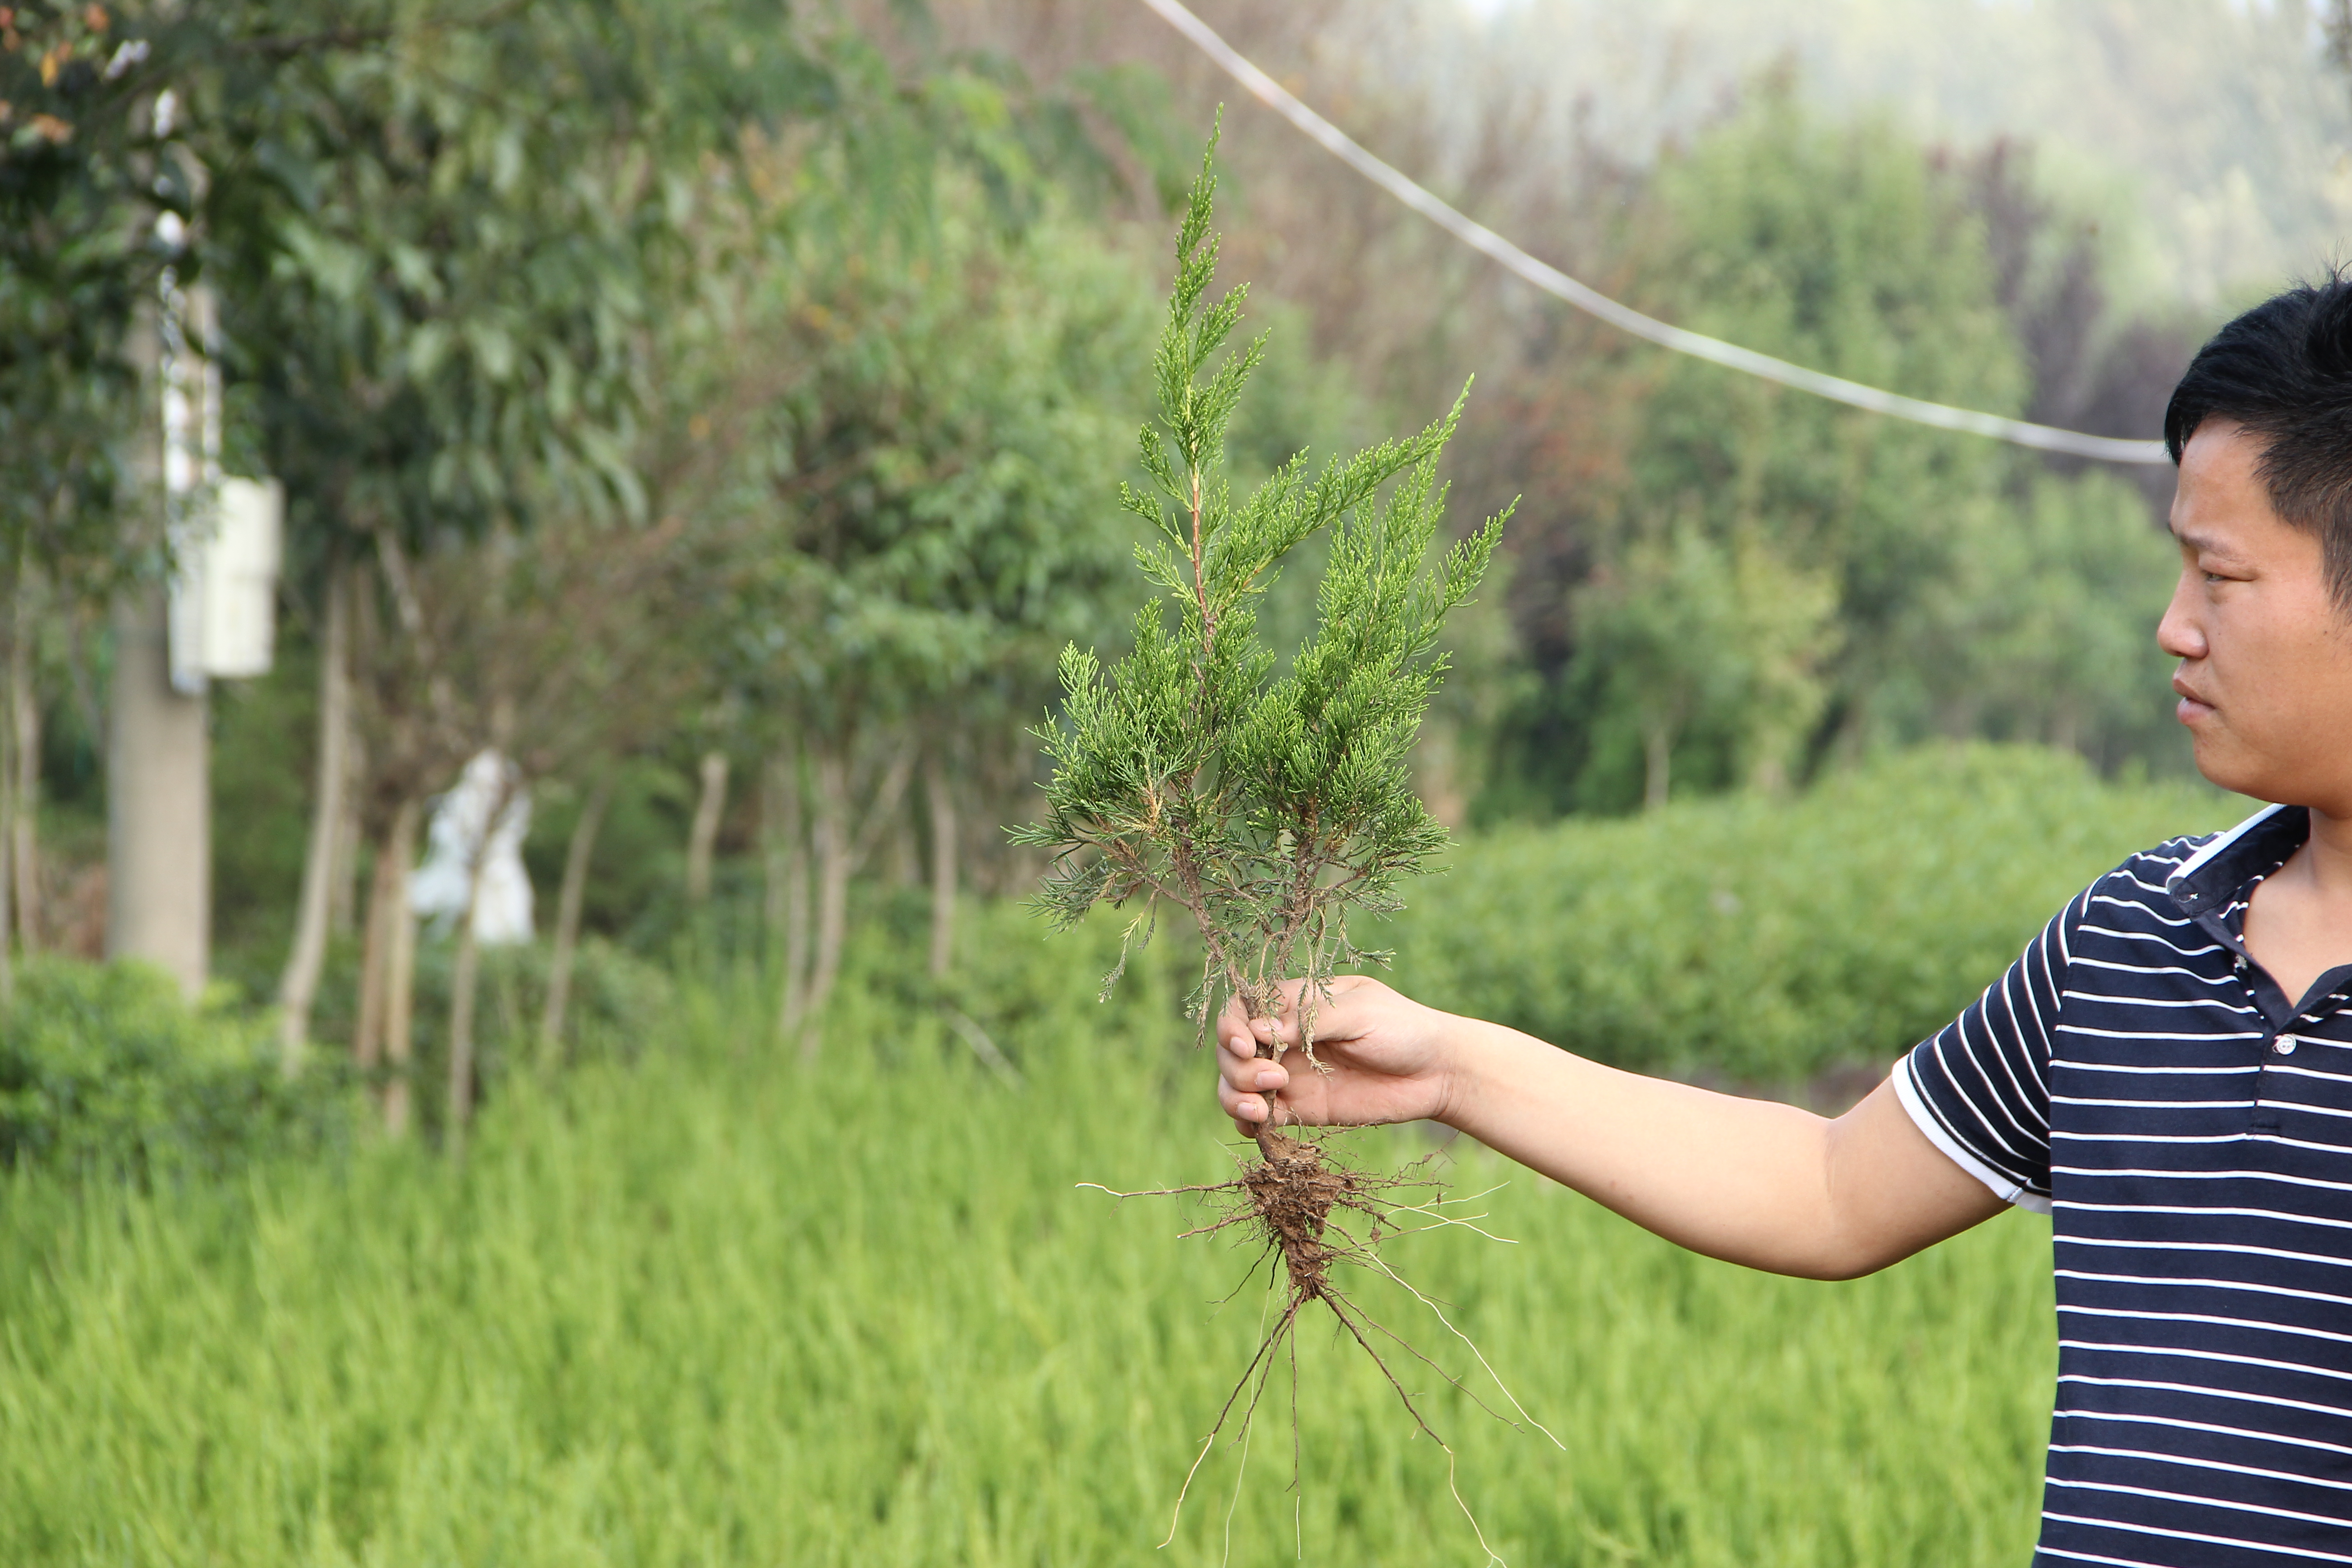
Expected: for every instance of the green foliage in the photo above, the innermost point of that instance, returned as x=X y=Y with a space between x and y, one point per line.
x=105 y=1071
x=2046 y=627
x=1682 y=633
x=1028 y=988
x=914 y=481
x=1776 y=582
x=1834 y=246
x=635 y=892
x=1263 y=802
x=1766 y=941
x=83 y=178
x=715 y=1310
x=441 y=295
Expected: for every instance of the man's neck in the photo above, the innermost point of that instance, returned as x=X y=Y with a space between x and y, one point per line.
x=2299 y=921
x=2326 y=859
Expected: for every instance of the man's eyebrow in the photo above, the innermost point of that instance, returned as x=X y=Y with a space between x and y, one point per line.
x=2203 y=543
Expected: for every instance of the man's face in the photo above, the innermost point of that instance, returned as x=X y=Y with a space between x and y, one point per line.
x=2265 y=675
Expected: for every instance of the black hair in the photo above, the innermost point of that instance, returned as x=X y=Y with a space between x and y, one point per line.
x=2283 y=371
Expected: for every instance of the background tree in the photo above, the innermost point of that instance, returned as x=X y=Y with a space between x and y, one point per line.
x=1684 y=635
x=915 y=529
x=459 y=283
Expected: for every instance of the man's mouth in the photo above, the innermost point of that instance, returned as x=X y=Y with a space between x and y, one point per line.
x=2191 y=707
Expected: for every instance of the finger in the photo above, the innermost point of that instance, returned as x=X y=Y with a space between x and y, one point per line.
x=1246 y=1073
x=1267 y=1076
x=1233 y=1030
x=1249 y=1038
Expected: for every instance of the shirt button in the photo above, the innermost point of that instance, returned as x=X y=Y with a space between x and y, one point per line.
x=2286 y=1045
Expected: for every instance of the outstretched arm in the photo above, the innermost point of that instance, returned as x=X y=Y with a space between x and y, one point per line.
x=1749 y=1180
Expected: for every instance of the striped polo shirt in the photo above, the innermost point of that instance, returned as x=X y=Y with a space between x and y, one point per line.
x=2189 y=1129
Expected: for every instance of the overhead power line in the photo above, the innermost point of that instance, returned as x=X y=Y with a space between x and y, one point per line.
x=1553 y=282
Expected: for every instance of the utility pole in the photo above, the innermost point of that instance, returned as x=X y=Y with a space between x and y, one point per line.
x=159 y=754
x=159 y=872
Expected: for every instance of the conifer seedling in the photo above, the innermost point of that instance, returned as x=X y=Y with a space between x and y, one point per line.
x=1269 y=804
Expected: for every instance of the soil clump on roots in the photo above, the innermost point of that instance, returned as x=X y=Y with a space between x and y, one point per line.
x=1292 y=1191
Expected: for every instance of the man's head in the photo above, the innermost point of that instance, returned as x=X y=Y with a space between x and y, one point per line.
x=2261 y=619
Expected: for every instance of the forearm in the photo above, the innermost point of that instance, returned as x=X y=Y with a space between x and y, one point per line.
x=1753 y=1182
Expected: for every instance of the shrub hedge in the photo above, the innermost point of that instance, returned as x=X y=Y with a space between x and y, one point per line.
x=1768 y=939
x=105 y=1071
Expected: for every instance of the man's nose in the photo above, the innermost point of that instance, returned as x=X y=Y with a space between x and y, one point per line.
x=2178 y=633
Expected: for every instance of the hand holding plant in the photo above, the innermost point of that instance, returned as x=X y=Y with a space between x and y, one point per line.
x=1379 y=1057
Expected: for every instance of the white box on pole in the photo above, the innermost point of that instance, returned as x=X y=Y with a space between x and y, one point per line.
x=240 y=577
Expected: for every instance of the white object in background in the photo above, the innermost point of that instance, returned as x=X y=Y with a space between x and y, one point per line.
x=223 y=605
x=226 y=534
x=240 y=577
x=461 y=829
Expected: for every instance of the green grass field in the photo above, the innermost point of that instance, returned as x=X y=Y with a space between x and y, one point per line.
x=698 y=1305
x=715 y=1310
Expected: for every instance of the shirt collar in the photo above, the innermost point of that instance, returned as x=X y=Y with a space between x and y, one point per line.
x=2219 y=874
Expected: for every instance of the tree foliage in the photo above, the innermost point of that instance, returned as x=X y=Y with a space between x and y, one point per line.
x=1763 y=584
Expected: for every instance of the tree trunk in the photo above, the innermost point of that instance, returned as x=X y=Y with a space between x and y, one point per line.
x=343 y=869
x=943 y=865
x=788 y=894
x=9 y=807
x=2066 y=727
x=159 y=803
x=464 y=971
x=905 y=853
x=1657 y=757
x=399 y=968
x=775 y=846
x=567 y=921
x=367 y=1033
x=702 y=843
x=829 y=838
x=158 y=753
x=8 y=961
x=840 y=850
x=462 y=975
x=25 y=802
x=297 y=988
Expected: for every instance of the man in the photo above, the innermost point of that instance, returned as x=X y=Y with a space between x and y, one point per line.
x=2167 y=1070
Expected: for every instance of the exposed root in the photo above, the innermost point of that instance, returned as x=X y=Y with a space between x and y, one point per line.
x=1293 y=1198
